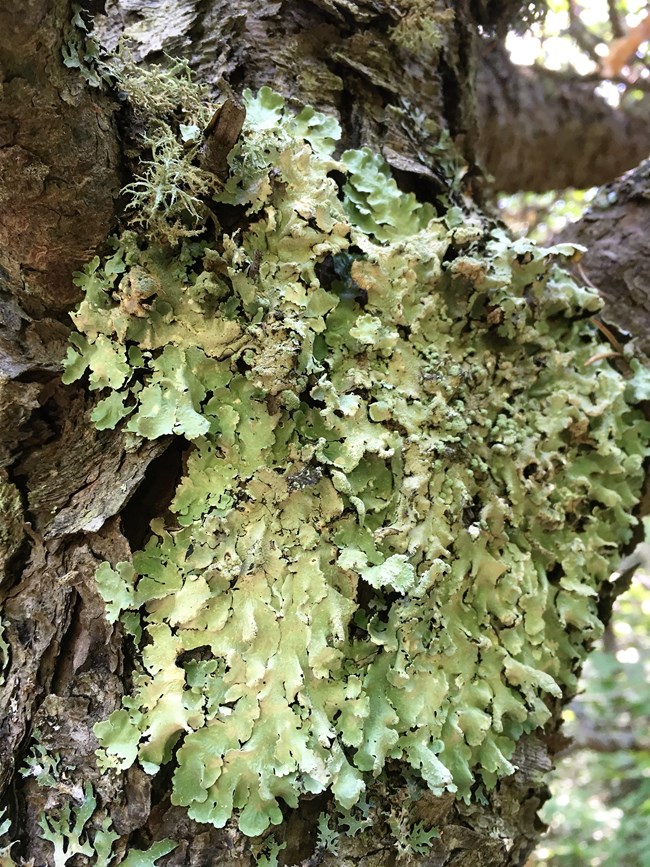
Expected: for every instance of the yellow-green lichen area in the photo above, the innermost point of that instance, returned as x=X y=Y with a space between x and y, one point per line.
x=405 y=483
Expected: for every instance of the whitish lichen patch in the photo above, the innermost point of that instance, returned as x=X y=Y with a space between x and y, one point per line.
x=404 y=488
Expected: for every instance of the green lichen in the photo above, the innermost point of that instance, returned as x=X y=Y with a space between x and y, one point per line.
x=70 y=832
x=404 y=488
x=81 y=52
x=6 y=859
x=42 y=765
x=268 y=855
x=67 y=832
x=411 y=839
x=423 y=29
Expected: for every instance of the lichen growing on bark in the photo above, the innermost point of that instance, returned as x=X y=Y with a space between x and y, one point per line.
x=404 y=487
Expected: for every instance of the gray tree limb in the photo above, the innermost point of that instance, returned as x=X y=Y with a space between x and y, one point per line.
x=541 y=131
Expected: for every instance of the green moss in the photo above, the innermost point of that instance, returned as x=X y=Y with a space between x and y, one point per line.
x=404 y=488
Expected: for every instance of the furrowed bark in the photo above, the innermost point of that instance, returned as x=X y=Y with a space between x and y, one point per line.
x=60 y=481
x=345 y=58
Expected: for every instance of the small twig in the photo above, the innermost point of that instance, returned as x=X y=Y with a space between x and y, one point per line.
x=601 y=355
x=583 y=276
x=606 y=743
x=615 y=19
x=573 y=77
x=582 y=35
x=600 y=325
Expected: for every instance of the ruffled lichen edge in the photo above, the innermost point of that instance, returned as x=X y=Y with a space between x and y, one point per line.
x=406 y=479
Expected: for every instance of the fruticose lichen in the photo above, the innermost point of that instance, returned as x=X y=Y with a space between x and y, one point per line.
x=405 y=481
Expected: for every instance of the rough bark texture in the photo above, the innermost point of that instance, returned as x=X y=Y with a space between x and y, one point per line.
x=74 y=497
x=559 y=131
x=336 y=56
x=615 y=232
x=59 y=158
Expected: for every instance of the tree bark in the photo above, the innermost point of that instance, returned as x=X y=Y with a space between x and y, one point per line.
x=539 y=130
x=544 y=130
x=76 y=497
x=614 y=230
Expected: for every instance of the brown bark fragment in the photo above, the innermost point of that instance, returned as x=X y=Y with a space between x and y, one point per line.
x=221 y=135
x=83 y=476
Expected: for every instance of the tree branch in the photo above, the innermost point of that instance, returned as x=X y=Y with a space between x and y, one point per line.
x=615 y=231
x=540 y=131
x=607 y=742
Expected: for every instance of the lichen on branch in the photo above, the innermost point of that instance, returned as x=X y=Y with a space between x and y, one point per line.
x=404 y=487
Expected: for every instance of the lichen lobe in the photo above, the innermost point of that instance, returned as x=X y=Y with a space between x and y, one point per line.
x=404 y=489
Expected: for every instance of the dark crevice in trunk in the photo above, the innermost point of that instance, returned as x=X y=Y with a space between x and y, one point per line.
x=61 y=675
x=350 y=137
x=154 y=494
x=15 y=564
x=301 y=834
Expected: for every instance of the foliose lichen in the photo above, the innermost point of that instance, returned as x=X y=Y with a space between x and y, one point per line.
x=404 y=482
x=71 y=834
x=75 y=827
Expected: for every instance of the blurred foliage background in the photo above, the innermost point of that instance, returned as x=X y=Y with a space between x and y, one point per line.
x=600 y=810
x=599 y=813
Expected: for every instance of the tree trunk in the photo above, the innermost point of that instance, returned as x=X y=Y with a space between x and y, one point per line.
x=398 y=79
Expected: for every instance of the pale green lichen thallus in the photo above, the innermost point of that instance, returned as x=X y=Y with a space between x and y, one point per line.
x=403 y=488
